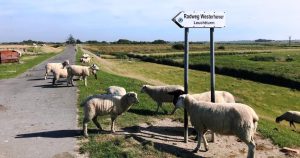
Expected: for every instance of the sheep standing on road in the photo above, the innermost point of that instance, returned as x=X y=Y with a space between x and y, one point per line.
x=82 y=71
x=291 y=116
x=223 y=118
x=160 y=93
x=50 y=66
x=106 y=104
x=59 y=73
x=116 y=90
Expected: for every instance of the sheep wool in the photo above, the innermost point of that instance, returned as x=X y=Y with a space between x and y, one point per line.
x=223 y=118
x=59 y=73
x=160 y=93
x=116 y=90
x=291 y=116
x=50 y=66
x=106 y=104
x=83 y=71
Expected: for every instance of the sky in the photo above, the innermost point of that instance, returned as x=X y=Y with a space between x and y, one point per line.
x=144 y=20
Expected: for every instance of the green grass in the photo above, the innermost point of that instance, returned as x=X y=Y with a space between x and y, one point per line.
x=269 y=101
x=10 y=70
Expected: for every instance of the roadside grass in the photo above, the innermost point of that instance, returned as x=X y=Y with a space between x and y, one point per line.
x=268 y=101
x=10 y=70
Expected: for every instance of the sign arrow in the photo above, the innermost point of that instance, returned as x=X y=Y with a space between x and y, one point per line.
x=200 y=19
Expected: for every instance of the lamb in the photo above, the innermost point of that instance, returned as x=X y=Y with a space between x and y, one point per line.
x=59 y=73
x=116 y=90
x=291 y=116
x=85 y=55
x=220 y=97
x=223 y=118
x=106 y=104
x=160 y=93
x=82 y=71
x=50 y=66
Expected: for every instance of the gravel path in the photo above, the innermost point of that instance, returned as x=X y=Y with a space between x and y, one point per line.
x=38 y=120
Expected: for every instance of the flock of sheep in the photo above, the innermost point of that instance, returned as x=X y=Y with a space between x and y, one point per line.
x=225 y=116
x=65 y=70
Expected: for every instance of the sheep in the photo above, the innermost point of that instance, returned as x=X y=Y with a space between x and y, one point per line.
x=291 y=116
x=85 y=55
x=85 y=60
x=50 y=66
x=82 y=71
x=116 y=90
x=106 y=104
x=59 y=73
x=160 y=93
x=223 y=118
x=220 y=97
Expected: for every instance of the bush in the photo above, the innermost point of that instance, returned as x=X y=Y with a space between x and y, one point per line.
x=178 y=46
x=221 y=47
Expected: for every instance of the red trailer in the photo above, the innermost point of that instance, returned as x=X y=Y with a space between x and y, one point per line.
x=9 y=56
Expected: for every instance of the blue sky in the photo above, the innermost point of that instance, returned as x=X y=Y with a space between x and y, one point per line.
x=144 y=20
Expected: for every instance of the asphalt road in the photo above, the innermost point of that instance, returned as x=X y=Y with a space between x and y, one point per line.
x=38 y=120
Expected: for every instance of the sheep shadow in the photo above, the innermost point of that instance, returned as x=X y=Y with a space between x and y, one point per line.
x=52 y=134
x=36 y=79
x=145 y=112
x=167 y=148
x=58 y=85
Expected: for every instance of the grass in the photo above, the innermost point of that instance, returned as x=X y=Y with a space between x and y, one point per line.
x=10 y=70
x=268 y=101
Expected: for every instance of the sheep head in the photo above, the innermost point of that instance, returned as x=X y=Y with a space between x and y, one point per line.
x=143 y=89
x=94 y=69
x=176 y=94
x=132 y=97
x=180 y=101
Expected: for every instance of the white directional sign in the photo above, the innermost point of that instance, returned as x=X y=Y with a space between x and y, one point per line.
x=200 y=19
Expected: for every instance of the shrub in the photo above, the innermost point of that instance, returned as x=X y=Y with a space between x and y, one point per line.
x=221 y=47
x=178 y=46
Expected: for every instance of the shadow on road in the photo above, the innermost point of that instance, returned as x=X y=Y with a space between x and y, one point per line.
x=36 y=79
x=59 y=85
x=52 y=134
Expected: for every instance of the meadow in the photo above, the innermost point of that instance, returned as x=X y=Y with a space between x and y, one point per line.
x=268 y=101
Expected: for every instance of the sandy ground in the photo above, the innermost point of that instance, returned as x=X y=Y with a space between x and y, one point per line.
x=167 y=135
x=45 y=49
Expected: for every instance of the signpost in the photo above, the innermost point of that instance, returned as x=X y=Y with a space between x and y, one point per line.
x=199 y=19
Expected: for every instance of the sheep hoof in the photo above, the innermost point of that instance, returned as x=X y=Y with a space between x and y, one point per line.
x=195 y=150
x=206 y=149
x=86 y=135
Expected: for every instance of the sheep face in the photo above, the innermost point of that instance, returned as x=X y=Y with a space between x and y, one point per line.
x=143 y=89
x=65 y=63
x=180 y=101
x=176 y=94
x=94 y=68
x=132 y=98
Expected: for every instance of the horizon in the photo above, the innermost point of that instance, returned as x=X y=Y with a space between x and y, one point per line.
x=112 y=20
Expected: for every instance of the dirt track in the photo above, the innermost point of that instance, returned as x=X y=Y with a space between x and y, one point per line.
x=37 y=119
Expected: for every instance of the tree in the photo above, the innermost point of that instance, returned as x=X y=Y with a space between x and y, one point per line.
x=78 y=41
x=159 y=41
x=70 y=40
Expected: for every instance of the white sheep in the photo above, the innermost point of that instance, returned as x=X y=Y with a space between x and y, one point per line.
x=223 y=118
x=82 y=71
x=220 y=97
x=160 y=93
x=85 y=60
x=85 y=55
x=106 y=104
x=116 y=90
x=59 y=73
x=50 y=66
x=291 y=116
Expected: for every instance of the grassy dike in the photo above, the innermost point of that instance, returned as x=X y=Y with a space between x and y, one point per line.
x=268 y=101
x=10 y=70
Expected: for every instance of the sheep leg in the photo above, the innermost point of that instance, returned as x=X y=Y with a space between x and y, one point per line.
x=213 y=136
x=113 y=119
x=205 y=141
x=158 y=105
x=173 y=110
x=85 y=80
x=292 y=124
x=198 y=143
x=251 y=149
x=85 y=122
x=97 y=123
x=53 y=81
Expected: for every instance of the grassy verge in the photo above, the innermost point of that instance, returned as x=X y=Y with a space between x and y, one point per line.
x=10 y=70
x=268 y=101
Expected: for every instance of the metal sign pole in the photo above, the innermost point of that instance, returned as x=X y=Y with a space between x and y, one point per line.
x=186 y=68
x=212 y=70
